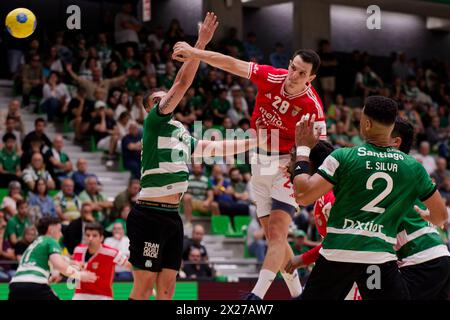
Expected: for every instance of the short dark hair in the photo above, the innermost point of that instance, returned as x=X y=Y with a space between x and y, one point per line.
x=309 y=56
x=243 y=121
x=94 y=226
x=381 y=109
x=319 y=153
x=10 y=117
x=21 y=203
x=43 y=224
x=39 y=120
x=404 y=130
x=232 y=170
x=8 y=136
x=133 y=181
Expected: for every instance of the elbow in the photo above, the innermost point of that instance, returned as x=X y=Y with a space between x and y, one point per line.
x=302 y=200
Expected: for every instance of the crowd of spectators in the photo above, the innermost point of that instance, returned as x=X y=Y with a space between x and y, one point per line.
x=96 y=84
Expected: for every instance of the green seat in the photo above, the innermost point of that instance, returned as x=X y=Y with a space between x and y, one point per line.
x=3 y=193
x=66 y=126
x=221 y=225
x=93 y=145
x=241 y=223
x=52 y=193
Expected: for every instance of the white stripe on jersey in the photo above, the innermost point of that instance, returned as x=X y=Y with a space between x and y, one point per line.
x=275 y=76
x=168 y=167
x=250 y=69
x=177 y=187
x=292 y=96
x=316 y=102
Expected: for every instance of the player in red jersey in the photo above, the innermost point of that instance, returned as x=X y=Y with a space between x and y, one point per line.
x=99 y=259
x=284 y=96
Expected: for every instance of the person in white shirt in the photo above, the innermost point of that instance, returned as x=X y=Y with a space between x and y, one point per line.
x=428 y=162
x=120 y=242
x=126 y=27
x=56 y=96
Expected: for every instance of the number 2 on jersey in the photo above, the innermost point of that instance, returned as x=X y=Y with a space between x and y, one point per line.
x=284 y=105
x=371 y=206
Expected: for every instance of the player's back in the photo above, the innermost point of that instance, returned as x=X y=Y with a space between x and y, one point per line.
x=373 y=188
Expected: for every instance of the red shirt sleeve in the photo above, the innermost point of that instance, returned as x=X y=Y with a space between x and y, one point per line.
x=259 y=74
x=311 y=255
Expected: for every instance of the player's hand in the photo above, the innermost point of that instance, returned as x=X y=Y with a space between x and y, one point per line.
x=305 y=134
x=294 y=263
x=182 y=52
x=55 y=277
x=207 y=28
x=425 y=214
x=87 y=276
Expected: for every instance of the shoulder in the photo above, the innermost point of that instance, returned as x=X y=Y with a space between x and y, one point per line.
x=108 y=251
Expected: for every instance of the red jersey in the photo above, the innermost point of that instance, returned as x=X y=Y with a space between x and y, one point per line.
x=279 y=110
x=102 y=263
x=322 y=208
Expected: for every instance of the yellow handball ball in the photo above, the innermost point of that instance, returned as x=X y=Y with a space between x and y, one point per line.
x=20 y=23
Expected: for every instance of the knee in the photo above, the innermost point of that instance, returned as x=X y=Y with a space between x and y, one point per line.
x=276 y=234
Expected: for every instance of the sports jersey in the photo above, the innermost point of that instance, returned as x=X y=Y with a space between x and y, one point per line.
x=102 y=263
x=418 y=241
x=34 y=264
x=166 y=148
x=373 y=185
x=279 y=110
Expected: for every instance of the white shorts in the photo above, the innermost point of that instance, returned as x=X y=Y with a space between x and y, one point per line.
x=268 y=182
x=87 y=296
x=103 y=144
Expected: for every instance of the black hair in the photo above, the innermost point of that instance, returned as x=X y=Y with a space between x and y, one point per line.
x=8 y=136
x=243 y=121
x=319 y=153
x=404 y=130
x=10 y=117
x=44 y=223
x=309 y=56
x=381 y=109
x=232 y=170
x=95 y=226
x=39 y=120
x=35 y=190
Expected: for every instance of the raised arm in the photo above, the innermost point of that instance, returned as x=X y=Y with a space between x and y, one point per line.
x=184 y=52
x=187 y=72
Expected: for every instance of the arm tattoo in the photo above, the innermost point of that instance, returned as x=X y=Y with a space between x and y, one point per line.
x=162 y=107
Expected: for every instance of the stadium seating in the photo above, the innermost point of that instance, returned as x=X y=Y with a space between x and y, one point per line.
x=221 y=225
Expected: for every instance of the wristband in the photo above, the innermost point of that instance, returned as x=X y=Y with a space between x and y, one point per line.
x=303 y=151
x=300 y=167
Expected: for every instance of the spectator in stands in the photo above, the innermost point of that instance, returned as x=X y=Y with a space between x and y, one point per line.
x=97 y=82
x=13 y=111
x=435 y=134
x=77 y=110
x=104 y=50
x=198 y=232
x=185 y=112
x=67 y=204
x=11 y=125
x=238 y=110
x=29 y=235
x=6 y=251
x=40 y=199
x=57 y=161
x=126 y=27
x=250 y=97
x=298 y=245
x=131 y=151
x=199 y=196
x=127 y=197
x=156 y=39
x=79 y=176
x=256 y=242
x=175 y=33
x=252 y=52
x=35 y=171
x=367 y=82
x=410 y=114
x=120 y=242
x=74 y=233
x=32 y=79
x=37 y=134
x=328 y=70
x=278 y=58
x=17 y=224
x=400 y=68
x=220 y=107
x=9 y=161
x=100 y=205
x=424 y=157
x=166 y=80
x=9 y=203
x=56 y=97
x=223 y=194
x=137 y=110
x=195 y=268
x=441 y=172
x=105 y=132
x=240 y=189
x=445 y=189
x=340 y=139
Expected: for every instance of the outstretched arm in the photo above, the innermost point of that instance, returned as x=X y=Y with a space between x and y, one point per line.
x=184 y=52
x=187 y=72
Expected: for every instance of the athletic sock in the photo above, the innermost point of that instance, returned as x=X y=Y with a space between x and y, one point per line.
x=293 y=283
x=265 y=279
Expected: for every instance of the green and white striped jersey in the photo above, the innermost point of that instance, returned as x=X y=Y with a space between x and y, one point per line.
x=34 y=265
x=374 y=187
x=166 y=150
x=417 y=240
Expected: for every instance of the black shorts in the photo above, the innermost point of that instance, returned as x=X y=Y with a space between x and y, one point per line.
x=156 y=238
x=332 y=280
x=429 y=280
x=20 y=291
